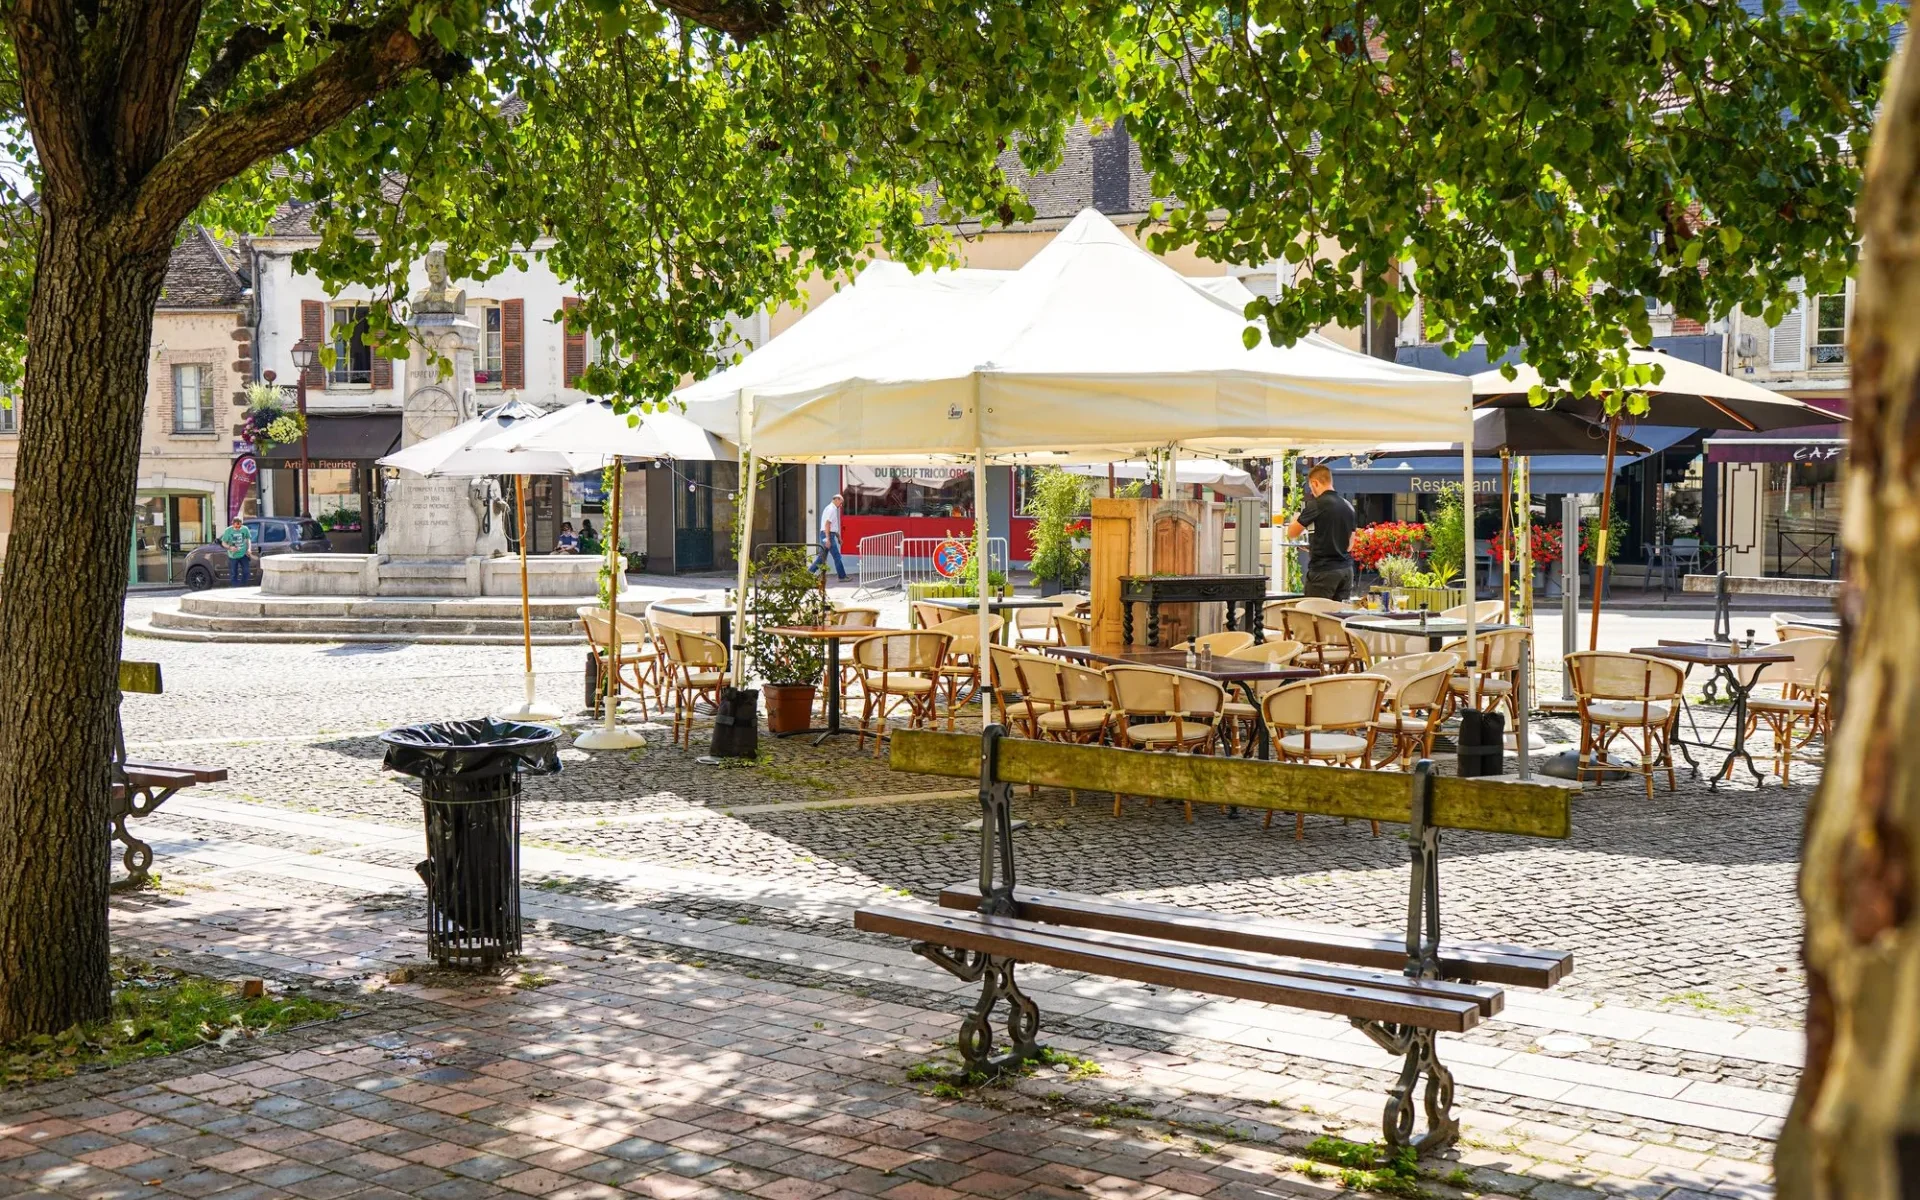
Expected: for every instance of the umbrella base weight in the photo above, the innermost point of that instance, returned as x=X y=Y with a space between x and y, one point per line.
x=736 y=726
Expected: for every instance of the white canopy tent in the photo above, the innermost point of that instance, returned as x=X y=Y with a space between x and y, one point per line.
x=1094 y=351
x=1214 y=473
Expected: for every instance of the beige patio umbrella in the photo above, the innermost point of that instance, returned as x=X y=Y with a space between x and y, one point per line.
x=468 y=450
x=1686 y=394
x=593 y=429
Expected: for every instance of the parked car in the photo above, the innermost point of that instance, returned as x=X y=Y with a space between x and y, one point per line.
x=207 y=564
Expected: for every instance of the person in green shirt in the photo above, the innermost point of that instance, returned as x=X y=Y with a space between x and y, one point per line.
x=238 y=540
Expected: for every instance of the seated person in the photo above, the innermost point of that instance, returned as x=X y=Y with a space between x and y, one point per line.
x=568 y=543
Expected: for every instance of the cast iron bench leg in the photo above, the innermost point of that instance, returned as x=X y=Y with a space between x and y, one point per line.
x=1419 y=1050
x=996 y=984
x=138 y=856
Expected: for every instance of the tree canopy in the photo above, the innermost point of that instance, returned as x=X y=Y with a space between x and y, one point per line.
x=680 y=161
x=1535 y=175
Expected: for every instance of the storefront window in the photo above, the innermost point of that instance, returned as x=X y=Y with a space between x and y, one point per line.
x=166 y=527
x=1802 y=514
x=908 y=491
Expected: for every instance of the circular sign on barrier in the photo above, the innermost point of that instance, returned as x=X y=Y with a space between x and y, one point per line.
x=950 y=558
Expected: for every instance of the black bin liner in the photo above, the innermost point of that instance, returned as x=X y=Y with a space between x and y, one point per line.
x=469 y=774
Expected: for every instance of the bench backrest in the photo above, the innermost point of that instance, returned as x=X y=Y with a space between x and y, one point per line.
x=142 y=677
x=1485 y=805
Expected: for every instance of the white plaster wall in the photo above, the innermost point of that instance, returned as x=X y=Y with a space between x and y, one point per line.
x=281 y=292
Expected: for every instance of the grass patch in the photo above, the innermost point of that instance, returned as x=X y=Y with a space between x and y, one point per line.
x=1703 y=1002
x=950 y=1080
x=1367 y=1167
x=157 y=1010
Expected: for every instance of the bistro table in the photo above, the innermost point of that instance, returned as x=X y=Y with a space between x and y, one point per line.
x=1437 y=630
x=1155 y=590
x=995 y=605
x=1227 y=671
x=1829 y=624
x=832 y=635
x=1723 y=658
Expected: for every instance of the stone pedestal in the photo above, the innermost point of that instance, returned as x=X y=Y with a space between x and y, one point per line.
x=552 y=576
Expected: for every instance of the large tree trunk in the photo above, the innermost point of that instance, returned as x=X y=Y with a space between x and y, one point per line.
x=60 y=611
x=1854 y=1132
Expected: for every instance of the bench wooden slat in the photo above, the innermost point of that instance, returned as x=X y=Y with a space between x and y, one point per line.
x=156 y=775
x=1027 y=942
x=143 y=677
x=200 y=774
x=1488 y=806
x=1490 y=999
x=1483 y=962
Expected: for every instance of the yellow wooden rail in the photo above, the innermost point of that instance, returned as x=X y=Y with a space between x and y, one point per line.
x=140 y=677
x=1490 y=806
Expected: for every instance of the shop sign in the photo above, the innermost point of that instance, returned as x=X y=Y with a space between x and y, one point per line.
x=1816 y=453
x=1431 y=487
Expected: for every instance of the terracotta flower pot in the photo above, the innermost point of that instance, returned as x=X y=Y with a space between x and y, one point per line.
x=789 y=706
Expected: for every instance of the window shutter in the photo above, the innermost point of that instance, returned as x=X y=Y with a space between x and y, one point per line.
x=1787 y=341
x=513 y=344
x=576 y=343
x=313 y=329
x=382 y=373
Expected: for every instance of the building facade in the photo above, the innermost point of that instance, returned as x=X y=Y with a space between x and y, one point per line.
x=196 y=380
x=1779 y=492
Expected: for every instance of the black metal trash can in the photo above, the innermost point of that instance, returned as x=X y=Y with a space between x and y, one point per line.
x=469 y=774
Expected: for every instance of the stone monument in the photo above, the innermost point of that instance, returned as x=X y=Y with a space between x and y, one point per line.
x=445 y=536
x=435 y=518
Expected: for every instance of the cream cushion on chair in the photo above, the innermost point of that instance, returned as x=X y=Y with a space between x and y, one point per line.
x=1630 y=712
x=1327 y=745
x=1076 y=720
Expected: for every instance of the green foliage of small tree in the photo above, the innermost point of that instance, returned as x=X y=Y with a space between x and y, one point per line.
x=1446 y=536
x=1056 y=500
x=784 y=590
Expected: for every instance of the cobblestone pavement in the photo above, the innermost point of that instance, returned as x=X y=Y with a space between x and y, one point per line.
x=1680 y=912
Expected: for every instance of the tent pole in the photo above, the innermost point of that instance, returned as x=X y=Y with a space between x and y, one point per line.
x=1600 y=543
x=743 y=523
x=1466 y=500
x=1506 y=535
x=614 y=580
x=983 y=574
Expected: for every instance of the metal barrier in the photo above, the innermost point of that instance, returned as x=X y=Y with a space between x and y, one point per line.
x=917 y=557
x=882 y=563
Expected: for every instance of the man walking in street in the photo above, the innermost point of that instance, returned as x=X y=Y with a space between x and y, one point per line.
x=830 y=537
x=1330 y=544
x=238 y=540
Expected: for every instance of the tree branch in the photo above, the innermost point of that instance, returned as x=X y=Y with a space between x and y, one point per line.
x=135 y=70
x=242 y=46
x=743 y=19
x=226 y=143
x=47 y=54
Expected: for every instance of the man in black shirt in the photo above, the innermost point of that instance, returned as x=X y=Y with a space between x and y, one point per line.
x=1330 y=544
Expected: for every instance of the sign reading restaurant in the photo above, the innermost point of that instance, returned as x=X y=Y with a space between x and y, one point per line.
x=1433 y=486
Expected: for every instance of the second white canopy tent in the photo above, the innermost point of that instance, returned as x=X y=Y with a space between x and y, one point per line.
x=1094 y=351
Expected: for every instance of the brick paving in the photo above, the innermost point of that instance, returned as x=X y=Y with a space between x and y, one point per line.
x=728 y=1034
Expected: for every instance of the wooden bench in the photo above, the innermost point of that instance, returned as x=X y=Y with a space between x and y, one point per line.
x=140 y=786
x=1402 y=990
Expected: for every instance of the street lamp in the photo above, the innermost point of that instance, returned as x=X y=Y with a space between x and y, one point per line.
x=303 y=356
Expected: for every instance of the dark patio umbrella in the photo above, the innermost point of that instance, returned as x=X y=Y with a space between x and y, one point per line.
x=1687 y=394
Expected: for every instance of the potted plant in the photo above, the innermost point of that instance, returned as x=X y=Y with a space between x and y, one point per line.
x=1055 y=499
x=1395 y=570
x=784 y=591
